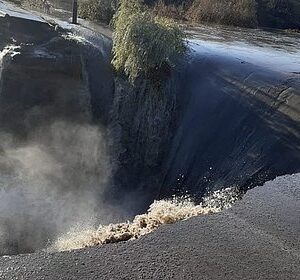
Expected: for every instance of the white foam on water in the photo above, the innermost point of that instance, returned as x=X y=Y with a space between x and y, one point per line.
x=73 y=37
x=10 y=50
x=159 y=213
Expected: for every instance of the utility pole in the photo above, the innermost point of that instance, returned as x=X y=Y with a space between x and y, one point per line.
x=75 y=11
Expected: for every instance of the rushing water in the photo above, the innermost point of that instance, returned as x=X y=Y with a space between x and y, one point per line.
x=159 y=213
x=276 y=50
x=53 y=180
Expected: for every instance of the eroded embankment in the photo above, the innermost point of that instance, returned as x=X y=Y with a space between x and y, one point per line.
x=80 y=146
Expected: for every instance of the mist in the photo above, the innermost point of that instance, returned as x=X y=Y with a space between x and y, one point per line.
x=51 y=182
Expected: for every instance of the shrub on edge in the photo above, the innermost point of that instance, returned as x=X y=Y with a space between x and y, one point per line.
x=144 y=44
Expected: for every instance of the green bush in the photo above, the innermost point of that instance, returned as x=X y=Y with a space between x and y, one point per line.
x=99 y=10
x=144 y=44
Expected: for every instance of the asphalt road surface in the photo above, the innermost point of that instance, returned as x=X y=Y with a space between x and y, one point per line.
x=256 y=239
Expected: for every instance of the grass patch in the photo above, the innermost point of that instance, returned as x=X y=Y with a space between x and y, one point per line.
x=233 y=12
x=37 y=5
x=246 y=13
x=98 y=10
x=177 y=12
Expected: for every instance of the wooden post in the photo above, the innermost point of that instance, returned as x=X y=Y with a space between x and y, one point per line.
x=75 y=11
